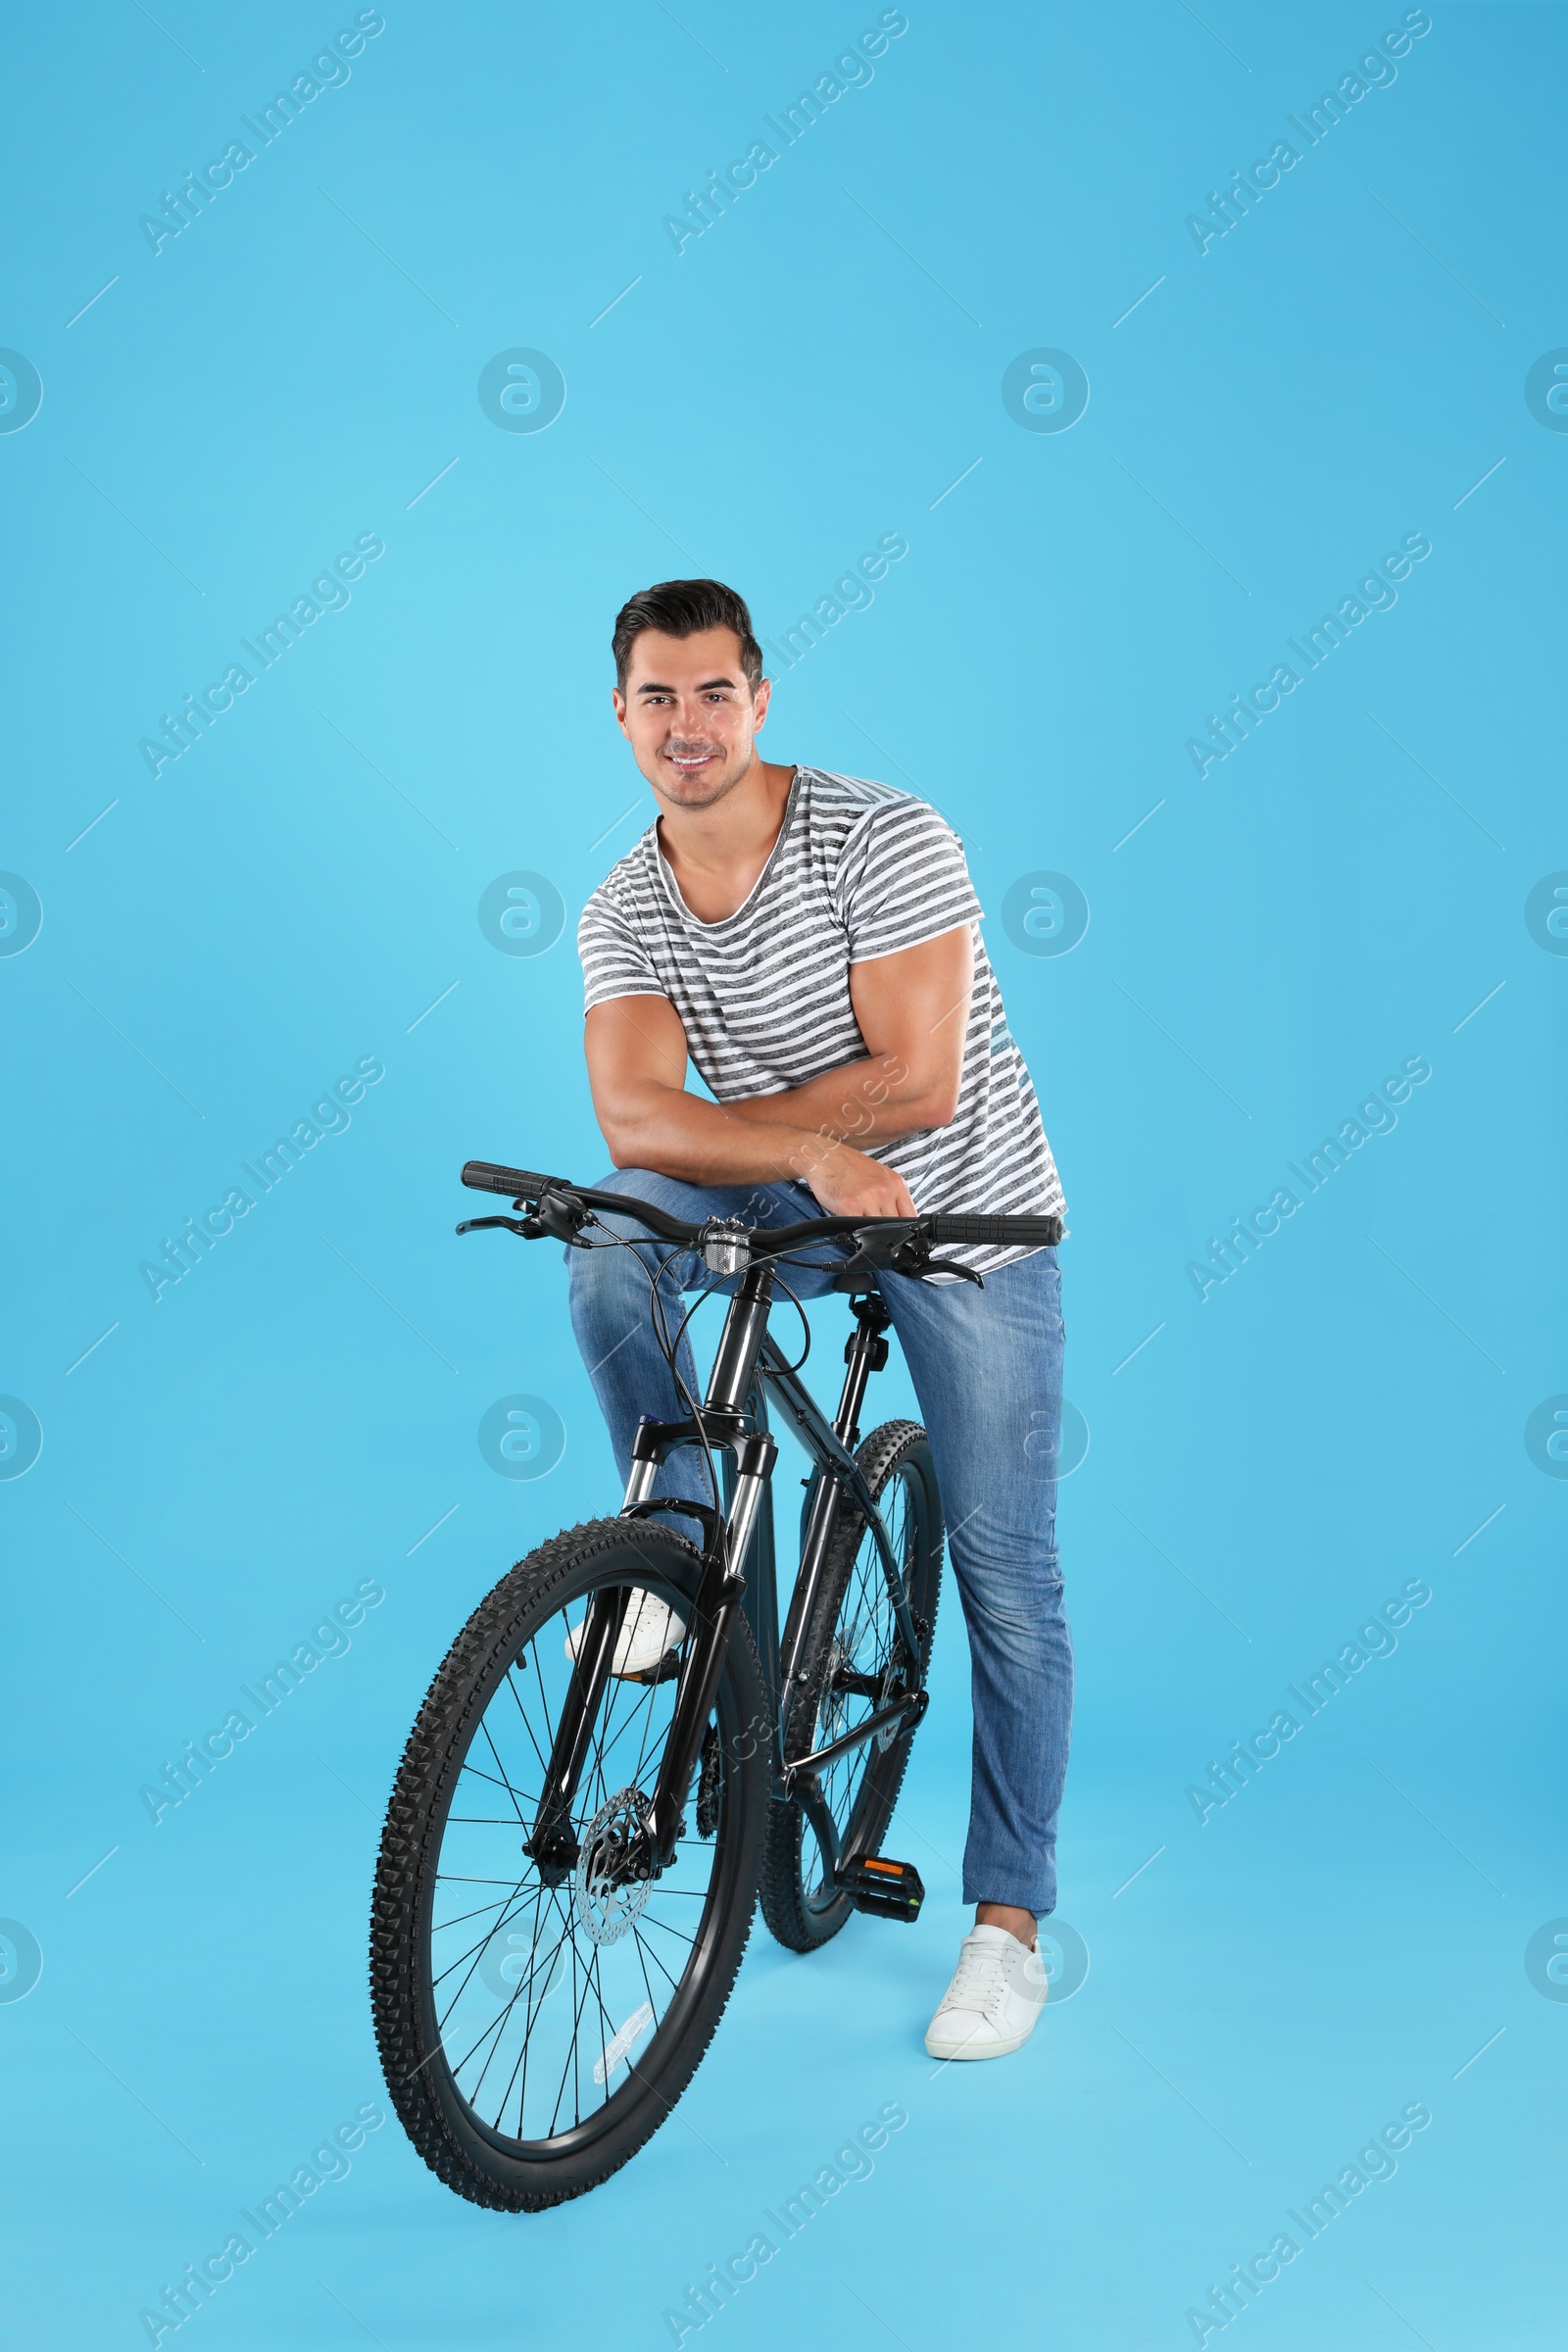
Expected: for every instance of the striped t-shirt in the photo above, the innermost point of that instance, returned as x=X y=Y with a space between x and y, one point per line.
x=858 y=871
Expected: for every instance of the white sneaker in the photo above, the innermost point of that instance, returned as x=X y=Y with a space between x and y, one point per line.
x=648 y=1632
x=990 y=2006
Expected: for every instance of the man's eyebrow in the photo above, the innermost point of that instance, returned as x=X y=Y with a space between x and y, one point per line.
x=705 y=686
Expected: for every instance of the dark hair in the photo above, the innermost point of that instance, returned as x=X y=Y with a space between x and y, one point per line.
x=682 y=609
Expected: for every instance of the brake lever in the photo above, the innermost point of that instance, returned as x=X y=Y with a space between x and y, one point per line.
x=933 y=1265
x=557 y=1217
x=907 y=1250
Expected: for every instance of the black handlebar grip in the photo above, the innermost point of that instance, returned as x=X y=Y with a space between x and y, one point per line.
x=483 y=1176
x=1004 y=1232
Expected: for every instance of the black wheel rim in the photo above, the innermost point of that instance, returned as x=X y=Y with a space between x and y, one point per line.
x=550 y=2008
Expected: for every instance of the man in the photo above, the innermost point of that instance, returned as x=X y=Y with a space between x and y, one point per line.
x=812 y=943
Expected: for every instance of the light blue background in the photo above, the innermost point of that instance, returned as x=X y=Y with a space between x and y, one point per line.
x=300 y=888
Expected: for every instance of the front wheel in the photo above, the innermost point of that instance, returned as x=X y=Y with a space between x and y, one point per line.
x=853 y=1660
x=537 y=2020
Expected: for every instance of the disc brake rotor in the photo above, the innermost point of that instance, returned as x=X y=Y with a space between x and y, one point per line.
x=609 y=1890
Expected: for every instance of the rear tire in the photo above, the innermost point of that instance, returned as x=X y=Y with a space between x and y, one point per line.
x=516 y=2099
x=851 y=1631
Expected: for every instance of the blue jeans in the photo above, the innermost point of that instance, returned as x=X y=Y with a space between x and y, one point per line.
x=987 y=1369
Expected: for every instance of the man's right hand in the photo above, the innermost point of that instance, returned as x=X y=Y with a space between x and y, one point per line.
x=850 y=1183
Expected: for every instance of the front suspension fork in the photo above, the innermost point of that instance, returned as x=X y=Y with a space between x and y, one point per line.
x=553 y=1847
x=718 y=1600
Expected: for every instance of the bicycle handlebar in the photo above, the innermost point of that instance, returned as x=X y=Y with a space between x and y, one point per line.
x=940 y=1225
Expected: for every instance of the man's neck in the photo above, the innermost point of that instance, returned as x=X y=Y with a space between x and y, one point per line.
x=716 y=854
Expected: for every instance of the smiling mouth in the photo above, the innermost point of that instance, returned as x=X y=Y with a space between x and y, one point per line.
x=689 y=761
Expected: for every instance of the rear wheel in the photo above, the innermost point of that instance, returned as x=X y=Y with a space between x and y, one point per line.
x=536 y=2020
x=853 y=1660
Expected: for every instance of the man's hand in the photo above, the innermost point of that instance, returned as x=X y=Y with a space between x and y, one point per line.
x=849 y=1184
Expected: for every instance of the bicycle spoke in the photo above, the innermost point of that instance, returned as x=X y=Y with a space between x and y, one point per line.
x=604 y=2047
x=535 y=1976
x=673 y=1982
x=483 y=1821
x=454 y=1878
x=666 y=1929
x=642 y=1753
x=456 y=1997
x=501 y=1768
x=474 y=1771
x=603 y=1751
x=534 y=1973
x=539 y=1685
x=485 y=1940
x=475 y=1951
x=528 y=2037
x=544 y=1762
x=528 y=1985
x=571 y=2048
x=439 y=1927
x=866 y=1655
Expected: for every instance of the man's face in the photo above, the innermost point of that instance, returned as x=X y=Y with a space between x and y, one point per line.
x=689 y=714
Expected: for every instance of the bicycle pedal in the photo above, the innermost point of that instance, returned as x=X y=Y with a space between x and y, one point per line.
x=886 y=1890
x=666 y=1670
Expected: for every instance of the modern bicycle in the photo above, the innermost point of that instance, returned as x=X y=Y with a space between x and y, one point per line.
x=579 y=1831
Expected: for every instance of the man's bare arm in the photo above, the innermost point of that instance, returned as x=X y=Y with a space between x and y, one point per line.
x=637 y=1051
x=914 y=1013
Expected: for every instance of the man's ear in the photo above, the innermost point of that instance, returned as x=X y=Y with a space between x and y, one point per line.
x=619 y=703
x=760 y=701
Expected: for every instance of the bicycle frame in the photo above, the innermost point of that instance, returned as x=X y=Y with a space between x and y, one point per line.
x=739 y=1569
